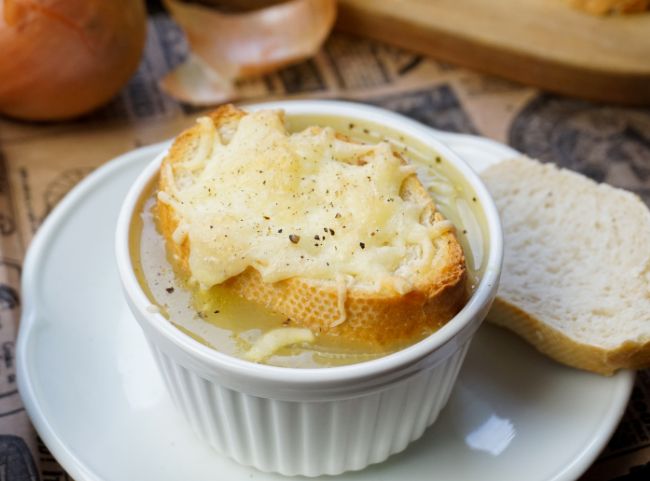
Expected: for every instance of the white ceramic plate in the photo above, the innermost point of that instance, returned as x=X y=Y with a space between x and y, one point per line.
x=96 y=399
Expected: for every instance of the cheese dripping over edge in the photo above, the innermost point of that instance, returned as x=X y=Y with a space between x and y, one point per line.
x=309 y=204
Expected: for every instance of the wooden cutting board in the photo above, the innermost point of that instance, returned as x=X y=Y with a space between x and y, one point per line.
x=544 y=43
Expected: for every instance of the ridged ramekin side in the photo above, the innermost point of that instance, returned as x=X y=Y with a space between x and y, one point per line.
x=311 y=438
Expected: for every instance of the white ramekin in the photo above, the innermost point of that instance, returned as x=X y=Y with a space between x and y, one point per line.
x=314 y=421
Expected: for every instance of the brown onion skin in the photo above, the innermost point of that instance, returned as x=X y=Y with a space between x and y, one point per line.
x=63 y=58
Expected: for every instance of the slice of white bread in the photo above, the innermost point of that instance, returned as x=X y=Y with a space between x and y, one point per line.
x=576 y=274
x=383 y=317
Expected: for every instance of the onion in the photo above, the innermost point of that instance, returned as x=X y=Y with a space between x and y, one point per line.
x=63 y=58
x=228 y=46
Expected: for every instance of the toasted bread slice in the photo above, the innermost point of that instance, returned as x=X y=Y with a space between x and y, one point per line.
x=576 y=273
x=383 y=317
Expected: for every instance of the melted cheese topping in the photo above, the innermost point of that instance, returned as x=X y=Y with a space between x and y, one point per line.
x=304 y=204
x=272 y=341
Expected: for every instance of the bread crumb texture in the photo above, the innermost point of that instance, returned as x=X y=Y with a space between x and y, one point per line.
x=576 y=272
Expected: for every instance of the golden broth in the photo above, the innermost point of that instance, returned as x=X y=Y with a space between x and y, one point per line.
x=231 y=325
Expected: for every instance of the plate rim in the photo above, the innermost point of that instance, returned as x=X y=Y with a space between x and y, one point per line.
x=29 y=316
x=30 y=320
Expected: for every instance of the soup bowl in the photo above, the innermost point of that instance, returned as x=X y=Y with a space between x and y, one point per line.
x=313 y=421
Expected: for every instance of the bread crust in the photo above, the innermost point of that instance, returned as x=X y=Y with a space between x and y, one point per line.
x=374 y=318
x=562 y=348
